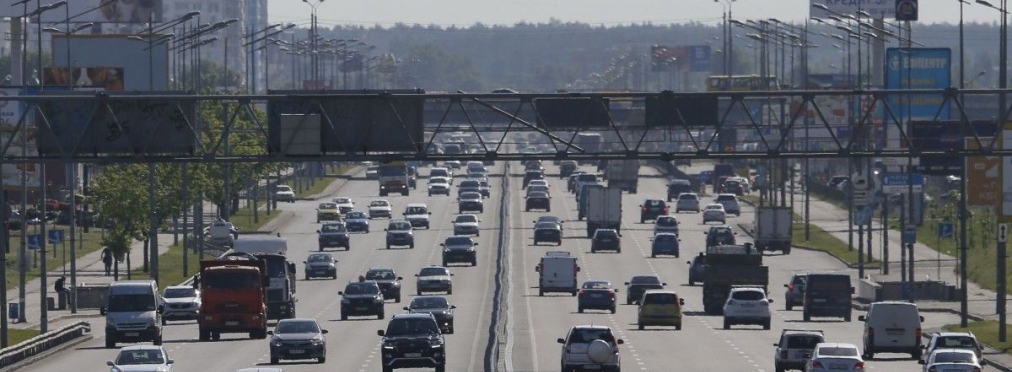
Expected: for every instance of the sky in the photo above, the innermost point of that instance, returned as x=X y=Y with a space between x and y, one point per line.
x=597 y=12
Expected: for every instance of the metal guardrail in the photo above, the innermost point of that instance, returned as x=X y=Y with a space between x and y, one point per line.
x=41 y=343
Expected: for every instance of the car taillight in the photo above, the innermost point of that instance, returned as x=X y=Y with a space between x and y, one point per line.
x=644 y=208
x=859 y=366
x=665 y=209
x=918 y=333
x=582 y=292
x=730 y=302
x=791 y=287
x=816 y=364
x=871 y=332
x=611 y=293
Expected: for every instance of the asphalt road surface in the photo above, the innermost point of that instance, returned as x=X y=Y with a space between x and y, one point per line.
x=531 y=323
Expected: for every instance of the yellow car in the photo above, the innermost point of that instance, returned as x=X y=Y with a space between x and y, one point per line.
x=327 y=212
x=660 y=307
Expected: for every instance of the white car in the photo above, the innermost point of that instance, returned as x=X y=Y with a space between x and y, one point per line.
x=452 y=164
x=537 y=188
x=141 y=358
x=439 y=185
x=730 y=203
x=380 y=208
x=180 y=303
x=747 y=305
x=466 y=224
x=952 y=360
x=344 y=205
x=687 y=201
x=590 y=347
x=284 y=193
x=714 y=212
x=833 y=357
x=417 y=214
x=666 y=224
x=537 y=183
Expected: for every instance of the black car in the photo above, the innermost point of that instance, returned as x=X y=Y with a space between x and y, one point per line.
x=459 y=249
x=438 y=306
x=361 y=299
x=538 y=200
x=720 y=235
x=470 y=202
x=567 y=168
x=638 y=284
x=413 y=341
x=548 y=232
x=596 y=295
x=320 y=265
x=533 y=175
x=605 y=239
x=651 y=209
x=388 y=282
x=469 y=186
x=697 y=269
x=334 y=234
x=298 y=338
x=678 y=186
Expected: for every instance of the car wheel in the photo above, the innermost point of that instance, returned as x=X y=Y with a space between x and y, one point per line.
x=766 y=325
x=274 y=360
x=164 y=322
x=640 y=326
x=653 y=255
x=344 y=316
x=307 y=276
x=449 y=291
x=474 y=262
x=692 y=282
x=678 y=327
x=806 y=317
x=109 y=343
x=558 y=243
x=628 y=301
x=535 y=242
x=787 y=305
x=380 y=315
x=579 y=309
x=418 y=293
x=388 y=246
x=727 y=324
x=321 y=360
x=216 y=335
x=778 y=368
x=612 y=309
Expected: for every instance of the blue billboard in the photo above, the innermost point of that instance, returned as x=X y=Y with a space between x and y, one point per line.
x=919 y=68
x=699 y=58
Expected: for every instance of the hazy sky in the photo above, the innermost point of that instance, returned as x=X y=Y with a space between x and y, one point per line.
x=600 y=12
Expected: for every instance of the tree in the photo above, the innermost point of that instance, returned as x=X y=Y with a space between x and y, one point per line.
x=119 y=197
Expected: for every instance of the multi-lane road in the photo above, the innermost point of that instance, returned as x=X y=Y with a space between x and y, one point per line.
x=527 y=325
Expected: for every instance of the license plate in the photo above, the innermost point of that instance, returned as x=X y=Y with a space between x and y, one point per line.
x=231 y=323
x=132 y=334
x=591 y=366
x=360 y=308
x=296 y=351
x=596 y=295
x=894 y=332
x=838 y=366
x=747 y=306
x=413 y=355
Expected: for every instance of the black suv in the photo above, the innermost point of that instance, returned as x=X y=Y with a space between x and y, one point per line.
x=678 y=186
x=605 y=239
x=538 y=200
x=547 y=232
x=334 y=234
x=651 y=209
x=413 y=341
x=459 y=249
x=635 y=287
x=720 y=235
x=388 y=282
x=533 y=175
x=361 y=299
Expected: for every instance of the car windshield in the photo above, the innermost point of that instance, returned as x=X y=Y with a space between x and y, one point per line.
x=725 y=198
x=645 y=280
x=470 y=184
x=470 y=196
x=412 y=326
x=952 y=357
x=131 y=303
x=660 y=299
x=429 y=303
x=333 y=227
x=379 y=203
x=956 y=342
x=669 y=221
x=433 y=271
x=665 y=238
x=416 y=210
x=355 y=215
x=606 y=234
x=654 y=203
x=437 y=172
x=586 y=178
x=838 y=351
x=596 y=285
x=747 y=295
x=546 y=225
x=320 y=258
x=233 y=280
x=465 y=218
x=588 y=335
x=328 y=205
x=296 y=326
x=134 y=357
x=342 y=200
x=533 y=188
x=807 y=342
x=458 y=240
x=687 y=197
x=180 y=292
x=549 y=219
x=399 y=226
x=380 y=275
x=361 y=288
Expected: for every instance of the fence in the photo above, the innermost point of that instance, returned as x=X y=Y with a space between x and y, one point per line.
x=41 y=343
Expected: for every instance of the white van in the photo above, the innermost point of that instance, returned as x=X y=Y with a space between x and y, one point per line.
x=262 y=244
x=892 y=327
x=222 y=233
x=133 y=313
x=557 y=273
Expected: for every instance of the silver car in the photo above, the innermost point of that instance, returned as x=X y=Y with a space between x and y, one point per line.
x=687 y=201
x=590 y=347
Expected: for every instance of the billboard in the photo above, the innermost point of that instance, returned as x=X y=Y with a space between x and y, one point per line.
x=699 y=58
x=945 y=136
x=10 y=113
x=877 y=8
x=982 y=182
x=130 y=57
x=109 y=79
x=919 y=68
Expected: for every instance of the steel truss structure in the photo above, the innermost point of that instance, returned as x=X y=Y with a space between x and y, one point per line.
x=140 y=128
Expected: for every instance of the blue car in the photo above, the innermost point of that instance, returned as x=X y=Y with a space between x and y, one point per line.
x=664 y=243
x=356 y=221
x=597 y=295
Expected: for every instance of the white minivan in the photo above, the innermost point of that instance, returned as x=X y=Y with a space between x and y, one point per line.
x=133 y=313
x=557 y=273
x=892 y=327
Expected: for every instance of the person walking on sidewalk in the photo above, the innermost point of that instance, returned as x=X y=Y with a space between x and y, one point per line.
x=107 y=260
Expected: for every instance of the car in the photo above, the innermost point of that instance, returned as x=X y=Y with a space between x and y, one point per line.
x=356 y=221
x=413 y=341
x=676 y=187
x=438 y=306
x=469 y=185
x=548 y=218
x=441 y=172
x=537 y=188
x=417 y=214
x=333 y=234
x=747 y=305
x=892 y=327
x=380 y=208
x=298 y=338
x=484 y=189
x=952 y=340
x=284 y=193
x=835 y=181
x=362 y=298
x=566 y=168
x=538 y=200
x=606 y=239
x=833 y=357
x=180 y=302
x=532 y=175
x=651 y=209
x=344 y=205
x=434 y=279
x=477 y=176
x=475 y=167
x=466 y=224
x=697 y=269
x=795 y=348
x=596 y=295
x=659 y=308
x=714 y=212
x=687 y=201
x=635 y=287
x=720 y=235
x=953 y=360
x=548 y=232
x=733 y=186
x=387 y=280
x=795 y=293
x=591 y=347
x=320 y=265
x=141 y=358
x=571 y=183
x=470 y=202
x=730 y=203
x=452 y=164
x=400 y=233
x=540 y=183
x=439 y=186
x=459 y=249
x=327 y=212
x=533 y=164
x=827 y=295
x=666 y=224
x=372 y=173
x=664 y=244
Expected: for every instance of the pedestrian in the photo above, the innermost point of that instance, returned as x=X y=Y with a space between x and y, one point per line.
x=196 y=281
x=107 y=260
x=61 y=287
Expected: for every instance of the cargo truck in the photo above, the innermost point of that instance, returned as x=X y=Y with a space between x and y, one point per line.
x=394 y=177
x=623 y=174
x=730 y=265
x=233 y=293
x=281 y=287
x=582 y=202
x=604 y=209
x=773 y=229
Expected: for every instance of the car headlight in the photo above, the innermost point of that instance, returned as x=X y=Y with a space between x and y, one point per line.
x=110 y=322
x=388 y=347
x=378 y=300
x=276 y=343
x=317 y=341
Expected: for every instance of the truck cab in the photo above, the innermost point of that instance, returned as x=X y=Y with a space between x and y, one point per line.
x=233 y=291
x=394 y=177
x=280 y=271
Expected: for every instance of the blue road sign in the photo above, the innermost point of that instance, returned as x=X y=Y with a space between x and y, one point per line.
x=55 y=236
x=900 y=182
x=946 y=230
x=906 y=290
x=920 y=68
x=909 y=234
x=35 y=241
x=863 y=215
x=699 y=58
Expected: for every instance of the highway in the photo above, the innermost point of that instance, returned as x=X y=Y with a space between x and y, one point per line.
x=531 y=323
